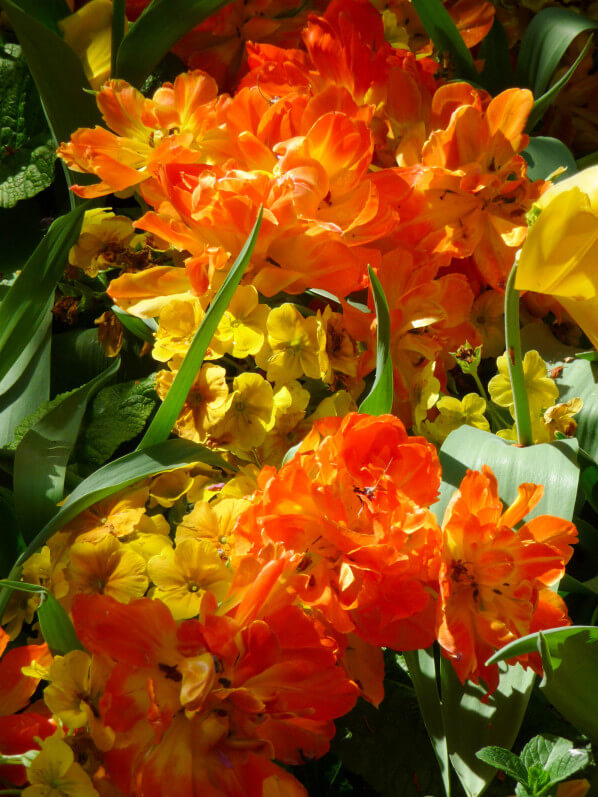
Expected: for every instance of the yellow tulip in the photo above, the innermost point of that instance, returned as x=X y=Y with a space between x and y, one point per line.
x=561 y=251
x=89 y=32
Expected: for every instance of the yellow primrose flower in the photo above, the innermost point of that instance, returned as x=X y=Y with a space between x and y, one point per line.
x=116 y=516
x=177 y=324
x=248 y=413
x=542 y=391
x=469 y=411
x=488 y=317
x=182 y=576
x=106 y=567
x=54 y=772
x=241 y=485
x=89 y=32
x=212 y=522
x=561 y=250
x=424 y=392
x=297 y=345
x=77 y=682
x=290 y=403
x=242 y=328
x=205 y=405
x=103 y=241
x=560 y=417
x=168 y=487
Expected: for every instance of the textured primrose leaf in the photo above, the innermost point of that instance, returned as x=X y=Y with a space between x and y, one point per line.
x=118 y=414
x=504 y=759
x=26 y=150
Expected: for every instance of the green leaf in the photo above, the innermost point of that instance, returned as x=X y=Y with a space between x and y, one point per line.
x=55 y=624
x=422 y=669
x=552 y=464
x=33 y=418
x=11 y=541
x=497 y=73
x=25 y=303
x=56 y=627
x=169 y=410
x=27 y=383
x=27 y=163
x=42 y=456
x=545 y=155
x=499 y=758
x=77 y=356
x=158 y=28
x=142 y=328
x=118 y=414
x=379 y=399
x=570 y=659
x=555 y=756
x=473 y=719
x=542 y=104
x=49 y=12
x=119 y=22
x=447 y=39
x=544 y=43
x=57 y=72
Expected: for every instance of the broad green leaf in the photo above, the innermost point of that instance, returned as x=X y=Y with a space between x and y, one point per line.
x=42 y=456
x=422 y=669
x=545 y=155
x=158 y=28
x=553 y=465
x=499 y=758
x=77 y=356
x=55 y=624
x=474 y=719
x=57 y=72
x=570 y=659
x=497 y=73
x=161 y=426
x=117 y=414
x=31 y=386
x=544 y=43
x=27 y=163
x=553 y=637
x=447 y=39
x=542 y=104
x=47 y=11
x=24 y=305
x=379 y=399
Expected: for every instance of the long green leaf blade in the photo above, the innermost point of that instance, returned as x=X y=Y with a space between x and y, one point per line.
x=42 y=456
x=161 y=426
x=544 y=43
x=158 y=28
x=24 y=305
x=379 y=399
x=422 y=669
x=447 y=39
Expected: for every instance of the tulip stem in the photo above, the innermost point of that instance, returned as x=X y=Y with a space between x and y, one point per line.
x=523 y=421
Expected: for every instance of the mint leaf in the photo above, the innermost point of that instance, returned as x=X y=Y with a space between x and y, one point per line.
x=117 y=414
x=26 y=149
x=503 y=759
x=539 y=749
